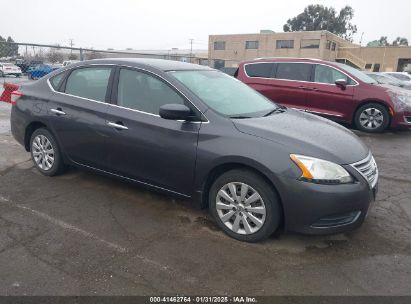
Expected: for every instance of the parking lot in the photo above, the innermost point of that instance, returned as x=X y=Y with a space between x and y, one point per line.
x=85 y=234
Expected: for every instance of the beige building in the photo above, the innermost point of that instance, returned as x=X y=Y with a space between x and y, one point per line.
x=229 y=50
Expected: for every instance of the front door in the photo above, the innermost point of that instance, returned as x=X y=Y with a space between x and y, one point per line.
x=328 y=99
x=143 y=146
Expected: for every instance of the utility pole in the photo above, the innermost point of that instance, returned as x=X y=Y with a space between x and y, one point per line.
x=361 y=38
x=191 y=48
x=71 y=45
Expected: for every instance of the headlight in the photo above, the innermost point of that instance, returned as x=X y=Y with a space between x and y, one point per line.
x=401 y=97
x=321 y=171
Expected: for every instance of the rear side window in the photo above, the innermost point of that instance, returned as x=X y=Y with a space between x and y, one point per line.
x=143 y=92
x=56 y=81
x=89 y=83
x=326 y=74
x=294 y=71
x=259 y=69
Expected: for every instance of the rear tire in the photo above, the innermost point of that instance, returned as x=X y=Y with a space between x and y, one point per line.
x=45 y=153
x=372 y=118
x=251 y=217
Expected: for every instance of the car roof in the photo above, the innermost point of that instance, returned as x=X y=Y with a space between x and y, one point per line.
x=159 y=64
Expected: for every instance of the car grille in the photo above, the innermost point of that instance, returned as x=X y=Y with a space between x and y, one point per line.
x=368 y=169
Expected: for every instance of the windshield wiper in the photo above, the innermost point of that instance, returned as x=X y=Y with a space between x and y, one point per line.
x=240 y=117
x=275 y=111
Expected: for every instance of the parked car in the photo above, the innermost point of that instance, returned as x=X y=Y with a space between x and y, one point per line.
x=403 y=76
x=334 y=90
x=390 y=80
x=26 y=65
x=41 y=70
x=7 y=69
x=229 y=71
x=67 y=62
x=195 y=132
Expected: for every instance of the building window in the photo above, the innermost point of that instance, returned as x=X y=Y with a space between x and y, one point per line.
x=251 y=45
x=368 y=66
x=219 y=45
x=218 y=63
x=376 y=68
x=328 y=47
x=310 y=43
x=285 y=44
x=333 y=46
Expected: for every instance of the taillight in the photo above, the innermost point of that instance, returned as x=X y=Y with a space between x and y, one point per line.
x=15 y=96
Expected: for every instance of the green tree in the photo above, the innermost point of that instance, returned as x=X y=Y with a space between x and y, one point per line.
x=319 y=17
x=8 y=49
x=383 y=41
x=400 y=42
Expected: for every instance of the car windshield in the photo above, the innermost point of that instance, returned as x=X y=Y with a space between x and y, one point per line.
x=357 y=73
x=225 y=94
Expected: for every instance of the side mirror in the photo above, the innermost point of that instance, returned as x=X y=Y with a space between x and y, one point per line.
x=176 y=112
x=341 y=83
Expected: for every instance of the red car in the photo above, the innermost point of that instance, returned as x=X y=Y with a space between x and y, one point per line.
x=334 y=90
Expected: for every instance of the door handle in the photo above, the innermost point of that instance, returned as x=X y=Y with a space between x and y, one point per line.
x=58 y=111
x=304 y=88
x=118 y=126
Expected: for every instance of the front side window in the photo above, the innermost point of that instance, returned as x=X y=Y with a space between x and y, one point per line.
x=356 y=73
x=326 y=74
x=225 y=94
x=294 y=71
x=219 y=45
x=251 y=45
x=143 y=92
x=263 y=70
x=310 y=43
x=89 y=83
x=285 y=44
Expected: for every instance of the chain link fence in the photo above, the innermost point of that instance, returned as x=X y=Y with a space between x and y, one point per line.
x=33 y=61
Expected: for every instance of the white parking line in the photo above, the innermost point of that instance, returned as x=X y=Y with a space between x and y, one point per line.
x=64 y=225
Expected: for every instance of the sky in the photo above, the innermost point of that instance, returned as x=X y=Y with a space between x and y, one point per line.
x=162 y=25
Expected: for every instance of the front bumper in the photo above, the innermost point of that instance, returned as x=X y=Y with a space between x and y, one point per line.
x=402 y=119
x=326 y=209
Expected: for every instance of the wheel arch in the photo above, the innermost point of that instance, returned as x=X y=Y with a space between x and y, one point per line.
x=221 y=168
x=378 y=101
x=33 y=126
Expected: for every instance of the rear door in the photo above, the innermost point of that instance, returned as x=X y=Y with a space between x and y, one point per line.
x=142 y=145
x=77 y=111
x=328 y=99
x=290 y=83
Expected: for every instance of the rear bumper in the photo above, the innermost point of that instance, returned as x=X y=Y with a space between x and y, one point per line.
x=326 y=209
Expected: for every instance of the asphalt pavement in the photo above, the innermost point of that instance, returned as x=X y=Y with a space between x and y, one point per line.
x=86 y=234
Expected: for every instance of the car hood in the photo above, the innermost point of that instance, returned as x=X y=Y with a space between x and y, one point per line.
x=307 y=134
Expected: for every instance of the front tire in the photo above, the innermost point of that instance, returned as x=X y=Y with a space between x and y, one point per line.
x=45 y=153
x=244 y=205
x=372 y=118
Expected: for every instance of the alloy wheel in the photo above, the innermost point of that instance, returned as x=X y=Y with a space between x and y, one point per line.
x=43 y=152
x=241 y=208
x=371 y=118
